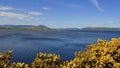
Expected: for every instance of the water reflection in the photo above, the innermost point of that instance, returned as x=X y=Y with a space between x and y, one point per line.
x=26 y=44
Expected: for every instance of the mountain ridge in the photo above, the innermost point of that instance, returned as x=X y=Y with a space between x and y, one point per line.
x=39 y=27
x=23 y=26
x=101 y=28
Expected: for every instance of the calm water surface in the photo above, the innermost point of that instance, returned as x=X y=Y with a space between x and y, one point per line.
x=26 y=44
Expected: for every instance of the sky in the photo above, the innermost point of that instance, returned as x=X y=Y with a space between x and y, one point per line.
x=61 y=13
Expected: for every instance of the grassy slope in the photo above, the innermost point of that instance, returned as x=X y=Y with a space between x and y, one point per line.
x=101 y=28
x=24 y=29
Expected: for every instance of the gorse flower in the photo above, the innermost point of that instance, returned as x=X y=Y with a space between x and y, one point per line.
x=104 y=54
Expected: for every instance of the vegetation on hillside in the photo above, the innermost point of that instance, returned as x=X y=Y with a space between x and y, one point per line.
x=101 y=28
x=104 y=54
x=24 y=29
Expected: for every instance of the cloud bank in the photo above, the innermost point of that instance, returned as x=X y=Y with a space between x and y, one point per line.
x=96 y=4
x=10 y=14
x=6 y=8
x=13 y=15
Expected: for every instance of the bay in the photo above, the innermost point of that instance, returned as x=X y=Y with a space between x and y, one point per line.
x=26 y=44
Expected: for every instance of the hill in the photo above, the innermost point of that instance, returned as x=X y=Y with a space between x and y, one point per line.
x=23 y=27
x=101 y=28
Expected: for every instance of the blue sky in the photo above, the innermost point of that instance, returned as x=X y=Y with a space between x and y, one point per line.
x=61 y=13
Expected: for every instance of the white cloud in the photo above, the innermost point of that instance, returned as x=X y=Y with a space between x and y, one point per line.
x=10 y=14
x=13 y=15
x=46 y=8
x=9 y=8
x=35 y=13
x=6 y=8
x=96 y=4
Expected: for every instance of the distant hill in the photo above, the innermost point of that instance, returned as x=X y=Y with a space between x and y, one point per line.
x=42 y=27
x=101 y=28
x=22 y=26
x=25 y=27
x=68 y=29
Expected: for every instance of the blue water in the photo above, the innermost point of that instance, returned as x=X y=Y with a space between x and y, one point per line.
x=26 y=44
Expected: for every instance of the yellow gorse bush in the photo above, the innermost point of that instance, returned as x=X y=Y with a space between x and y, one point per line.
x=5 y=59
x=18 y=65
x=46 y=61
x=101 y=55
x=104 y=54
